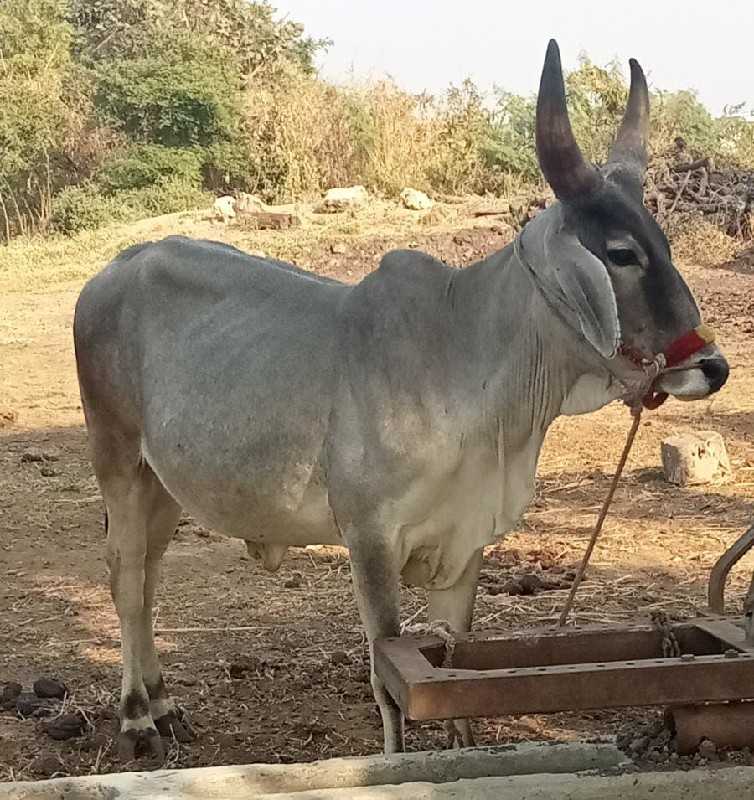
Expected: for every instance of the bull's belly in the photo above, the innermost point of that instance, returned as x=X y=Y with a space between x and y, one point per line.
x=292 y=511
x=443 y=520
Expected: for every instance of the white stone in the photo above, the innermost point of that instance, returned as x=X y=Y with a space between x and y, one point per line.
x=248 y=203
x=225 y=207
x=415 y=200
x=694 y=458
x=344 y=198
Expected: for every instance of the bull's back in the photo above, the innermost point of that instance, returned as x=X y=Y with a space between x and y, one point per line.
x=224 y=365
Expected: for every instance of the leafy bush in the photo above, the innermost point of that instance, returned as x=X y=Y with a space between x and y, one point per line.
x=231 y=165
x=78 y=208
x=184 y=94
x=144 y=165
x=165 y=197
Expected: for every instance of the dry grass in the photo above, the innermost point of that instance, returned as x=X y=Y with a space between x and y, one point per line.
x=698 y=241
x=37 y=263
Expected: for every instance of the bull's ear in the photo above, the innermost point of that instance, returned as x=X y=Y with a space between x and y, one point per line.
x=574 y=282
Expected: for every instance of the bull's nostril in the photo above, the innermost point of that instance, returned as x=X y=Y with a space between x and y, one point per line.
x=715 y=371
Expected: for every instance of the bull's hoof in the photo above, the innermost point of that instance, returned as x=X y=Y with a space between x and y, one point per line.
x=133 y=744
x=173 y=726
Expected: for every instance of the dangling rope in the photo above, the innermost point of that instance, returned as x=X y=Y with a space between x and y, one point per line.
x=636 y=412
x=644 y=397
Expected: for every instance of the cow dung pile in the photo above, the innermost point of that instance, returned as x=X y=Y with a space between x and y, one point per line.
x=46 y=700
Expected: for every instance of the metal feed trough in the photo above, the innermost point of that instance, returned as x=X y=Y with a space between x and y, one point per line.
x=704 y=686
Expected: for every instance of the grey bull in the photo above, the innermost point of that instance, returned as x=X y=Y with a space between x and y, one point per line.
x=402 y=417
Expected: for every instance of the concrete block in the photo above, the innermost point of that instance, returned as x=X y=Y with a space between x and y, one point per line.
x=694 y=458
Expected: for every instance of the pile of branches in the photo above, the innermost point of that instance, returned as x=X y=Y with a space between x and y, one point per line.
x=678 y=184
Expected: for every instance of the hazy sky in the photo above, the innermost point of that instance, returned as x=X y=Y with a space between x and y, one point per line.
x=428 y=44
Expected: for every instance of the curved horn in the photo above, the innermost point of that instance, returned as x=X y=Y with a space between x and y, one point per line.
x=566 y=170
x=630 y=147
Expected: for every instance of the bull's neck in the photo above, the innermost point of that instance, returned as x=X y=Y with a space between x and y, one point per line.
x=533 y=362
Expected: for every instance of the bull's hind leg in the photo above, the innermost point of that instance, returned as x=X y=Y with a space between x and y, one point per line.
x=141 y=520
x=161 y=526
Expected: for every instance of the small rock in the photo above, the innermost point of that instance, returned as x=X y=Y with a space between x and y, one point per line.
x=339 y=657
x=707 y=749
x=338 y=248
x=415 y=200
x=242 y=665
x=292 y=583
x=531 y=583
x=32 y=457
x=7 y=417
x=694 y=458
x=623 y=740
x=66 y=726
x=639 y=745
x=10 y=692
x=48 y=472
x=494 y=590
x=49 y=687
x=46 y=766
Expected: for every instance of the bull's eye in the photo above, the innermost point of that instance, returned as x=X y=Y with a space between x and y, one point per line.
x=623 y=257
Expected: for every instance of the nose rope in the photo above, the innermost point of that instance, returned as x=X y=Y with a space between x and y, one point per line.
x=677 y=351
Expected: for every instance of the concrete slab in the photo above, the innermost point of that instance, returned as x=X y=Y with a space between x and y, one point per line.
x=325 y=778
x=532 y=772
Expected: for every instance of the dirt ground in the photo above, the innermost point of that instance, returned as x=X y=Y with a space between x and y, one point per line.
x=273 y=667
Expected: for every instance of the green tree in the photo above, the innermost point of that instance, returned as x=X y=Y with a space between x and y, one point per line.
x=35 y=62
x=185 y=94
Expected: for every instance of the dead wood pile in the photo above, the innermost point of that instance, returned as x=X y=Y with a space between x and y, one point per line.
x=680 y=184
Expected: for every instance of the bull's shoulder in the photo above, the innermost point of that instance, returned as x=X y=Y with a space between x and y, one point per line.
x=403 y=278
x=410 y=267
x=405 y=300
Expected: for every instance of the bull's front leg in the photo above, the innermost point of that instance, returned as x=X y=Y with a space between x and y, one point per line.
x=456 y=607
x=376 y=583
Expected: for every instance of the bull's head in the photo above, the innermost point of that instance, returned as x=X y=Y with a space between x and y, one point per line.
x=600 y=256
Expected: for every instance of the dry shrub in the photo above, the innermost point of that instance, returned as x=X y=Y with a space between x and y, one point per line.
x=300 y=130
x=696 y=240
x=309 y=136
x=395 y=137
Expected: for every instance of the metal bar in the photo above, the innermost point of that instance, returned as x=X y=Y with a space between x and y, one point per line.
x=725 y=724
x=566 y=670
x=726 y=562
x=726 y=633
x=578 y=687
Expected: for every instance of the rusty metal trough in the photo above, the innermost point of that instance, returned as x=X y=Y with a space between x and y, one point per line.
x=591 y=667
